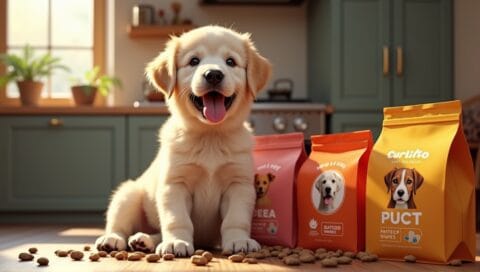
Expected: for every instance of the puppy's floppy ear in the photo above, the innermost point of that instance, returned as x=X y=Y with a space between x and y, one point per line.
x=418 y=180
x=162 y=71
x=388 y=178
x=271 y=177
x=258 y=68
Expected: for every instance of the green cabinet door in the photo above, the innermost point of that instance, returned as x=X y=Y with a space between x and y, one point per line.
x=360 y=30
x=352 y=121
x=422 y=30
x=143 y=142
x=61 y=163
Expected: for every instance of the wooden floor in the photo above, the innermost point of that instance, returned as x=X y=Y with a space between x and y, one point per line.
x=17 y=238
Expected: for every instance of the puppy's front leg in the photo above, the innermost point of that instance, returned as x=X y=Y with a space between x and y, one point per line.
x=174 y=207
x=237 y=206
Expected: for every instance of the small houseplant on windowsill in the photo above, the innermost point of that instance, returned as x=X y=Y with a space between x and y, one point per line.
x=27 y=70
x=84 y=91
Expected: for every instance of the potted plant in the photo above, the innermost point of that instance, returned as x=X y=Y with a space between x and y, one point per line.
x=84 y=91
x=27 y=70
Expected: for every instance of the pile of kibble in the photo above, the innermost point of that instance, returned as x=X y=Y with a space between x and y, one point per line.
x=289 y=256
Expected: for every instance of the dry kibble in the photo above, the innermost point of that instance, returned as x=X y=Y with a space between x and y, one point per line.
x=297 y=250
x=208 y=255
x=62 y=253
x=250 y=261
x=236 y=258
x=287 y=251
x=32 y=250
x=282 y=255
x=25 y=256
x=334 y=253
x=344 y=260
x=274 y=253
x=76 y=255
x=307 y=258
x=86 y=248
x=42 y=261
x=321 y=256
x=113 y=253
x=102 y=254
x=455 y=262
x=361 y=254
x=266 y=253
x=153 y=258
x=121 y=256
x=289 y=260
x=278 y=248
x=199 y=260
x=349 y=254
x=307 y=251
x=369 y=258
x=94 y=257
x=226 y=252
x=410 y=259
x=198 y=252
x=168 y=257
x=142 y=254
x=339 y=252
x=134 y=257
x=329 y=262
x=320 y=250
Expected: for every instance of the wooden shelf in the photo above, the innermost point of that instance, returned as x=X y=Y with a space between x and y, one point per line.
x=156 y=31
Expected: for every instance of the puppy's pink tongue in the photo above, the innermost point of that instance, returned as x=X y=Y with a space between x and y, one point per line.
x=328 y=200
x=214 y=107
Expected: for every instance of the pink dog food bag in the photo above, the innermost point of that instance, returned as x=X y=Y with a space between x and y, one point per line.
x=277 y=161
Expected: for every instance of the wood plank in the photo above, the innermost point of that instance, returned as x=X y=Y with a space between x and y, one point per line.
x=50 y=238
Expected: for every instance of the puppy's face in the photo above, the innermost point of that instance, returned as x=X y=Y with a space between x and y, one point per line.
x=262 y=183
x=210 y=74
x=328 y=184
x=402 y=183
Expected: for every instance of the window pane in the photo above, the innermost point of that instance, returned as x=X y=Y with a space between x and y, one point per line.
x=12 y=90
x=78 y=61
x=27 y=22
x=72 y=23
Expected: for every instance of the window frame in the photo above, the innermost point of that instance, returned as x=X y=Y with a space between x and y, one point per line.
x=99 y=9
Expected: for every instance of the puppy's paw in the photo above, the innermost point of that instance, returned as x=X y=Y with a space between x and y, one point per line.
x=141 y=242
x=178 y=247
x=111 y=241
x=241 y=245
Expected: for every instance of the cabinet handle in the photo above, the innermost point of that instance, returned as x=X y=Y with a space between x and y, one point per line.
x=399 y=61
x=55 y=122
x=386 y=61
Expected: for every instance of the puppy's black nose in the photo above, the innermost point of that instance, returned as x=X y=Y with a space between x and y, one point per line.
x=401 y=193
x=213 y=76
x=328 y=190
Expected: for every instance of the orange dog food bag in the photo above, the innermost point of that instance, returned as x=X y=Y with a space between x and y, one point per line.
x=331 y=192
x=420 y=186
x=277 y=161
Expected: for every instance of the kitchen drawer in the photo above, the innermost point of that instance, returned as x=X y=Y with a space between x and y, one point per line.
x=60 y=163
x=143 y=142
x=352 y=121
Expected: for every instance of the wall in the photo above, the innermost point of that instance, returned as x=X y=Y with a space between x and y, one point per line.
x=466 y=48
x=279 y=33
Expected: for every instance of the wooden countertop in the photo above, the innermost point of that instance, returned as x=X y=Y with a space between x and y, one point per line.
x=84 y=110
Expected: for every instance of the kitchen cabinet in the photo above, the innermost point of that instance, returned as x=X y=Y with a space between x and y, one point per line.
x=369 y=54
x=143 y=143
x=60 y=163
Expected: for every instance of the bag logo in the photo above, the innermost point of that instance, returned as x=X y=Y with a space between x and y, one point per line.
x=408 y=154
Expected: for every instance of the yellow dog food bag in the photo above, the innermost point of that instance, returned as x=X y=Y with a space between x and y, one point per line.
x=420 y=186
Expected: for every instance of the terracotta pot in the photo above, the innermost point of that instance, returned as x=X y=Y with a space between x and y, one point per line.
x=84 y=94
x=30 y=92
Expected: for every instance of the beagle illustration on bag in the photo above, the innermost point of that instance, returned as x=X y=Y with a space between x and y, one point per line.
x=420 y=186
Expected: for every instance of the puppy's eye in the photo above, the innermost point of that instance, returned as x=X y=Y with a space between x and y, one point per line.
x=333 y=181
x=409 y=181
x=395 y=181
x=231 y=62
x=194 y=61
x=324 y=181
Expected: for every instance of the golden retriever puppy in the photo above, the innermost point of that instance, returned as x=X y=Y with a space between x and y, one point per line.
x=199 y=188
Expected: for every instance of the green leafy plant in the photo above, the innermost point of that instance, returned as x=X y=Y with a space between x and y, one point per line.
x=26 y=67
x=93 y=79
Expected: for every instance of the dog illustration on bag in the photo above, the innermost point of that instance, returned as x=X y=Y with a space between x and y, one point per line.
x=402 y=184
x=262 y=184
x=329 y=186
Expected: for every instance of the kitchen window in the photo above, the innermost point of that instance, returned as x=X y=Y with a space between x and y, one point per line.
x=72 y=30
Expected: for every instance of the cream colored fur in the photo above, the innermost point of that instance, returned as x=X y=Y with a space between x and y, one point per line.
x=199 y=188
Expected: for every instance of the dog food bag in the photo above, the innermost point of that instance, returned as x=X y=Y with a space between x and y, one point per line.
x=331 y=192
x=420 y=186
x=277 y=160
